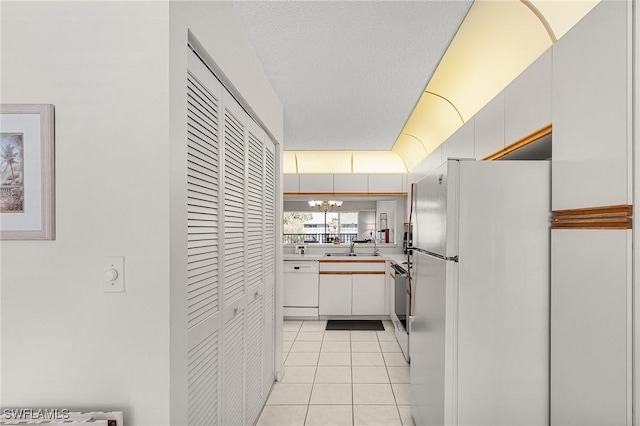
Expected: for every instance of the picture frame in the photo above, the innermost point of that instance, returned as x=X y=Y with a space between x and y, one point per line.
x=27 y=204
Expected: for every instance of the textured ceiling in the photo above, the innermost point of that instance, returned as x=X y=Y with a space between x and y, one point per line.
x=348 y=73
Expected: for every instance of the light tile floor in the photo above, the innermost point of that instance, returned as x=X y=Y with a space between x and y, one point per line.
x=339 y=378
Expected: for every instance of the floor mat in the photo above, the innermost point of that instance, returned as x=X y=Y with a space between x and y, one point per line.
x=374 y=325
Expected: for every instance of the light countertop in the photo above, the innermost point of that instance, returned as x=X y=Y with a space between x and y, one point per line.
x=393 y=257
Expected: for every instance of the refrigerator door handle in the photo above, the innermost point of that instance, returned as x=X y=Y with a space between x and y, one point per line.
x=439 y=256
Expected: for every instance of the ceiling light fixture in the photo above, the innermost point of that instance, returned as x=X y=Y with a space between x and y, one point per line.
x=325 y=206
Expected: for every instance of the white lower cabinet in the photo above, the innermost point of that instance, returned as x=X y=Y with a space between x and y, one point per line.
x=352 y=288
x=335 y=295
x=367 y=294
x=590 y=327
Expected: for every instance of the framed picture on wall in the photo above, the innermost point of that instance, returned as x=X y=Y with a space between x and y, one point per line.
x=27 y=172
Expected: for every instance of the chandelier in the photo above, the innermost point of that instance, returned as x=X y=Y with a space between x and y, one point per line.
x=325 y=206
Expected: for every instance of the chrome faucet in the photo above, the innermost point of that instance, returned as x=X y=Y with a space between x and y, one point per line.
x=375 y=248
x=353 y=244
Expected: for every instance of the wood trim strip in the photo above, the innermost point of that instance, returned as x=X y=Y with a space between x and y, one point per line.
x=351 y=272
x=596 y=223
x=350 y=260
x=344 y=194
x=601 y=217
x=538 y=134
x=622 y=210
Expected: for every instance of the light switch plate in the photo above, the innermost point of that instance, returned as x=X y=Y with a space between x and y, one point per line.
x=113 y=274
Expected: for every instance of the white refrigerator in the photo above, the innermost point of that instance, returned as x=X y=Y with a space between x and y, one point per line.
x=480 y=292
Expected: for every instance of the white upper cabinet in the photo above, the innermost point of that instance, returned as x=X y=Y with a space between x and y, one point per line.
x=387 y=183
x=527 y=100
x=489 y=128
x=433 y=161
x=461 y=143
x=345 y=183
x=350 y=183
x=290 y=183
x=590 y=103
x=316 y=183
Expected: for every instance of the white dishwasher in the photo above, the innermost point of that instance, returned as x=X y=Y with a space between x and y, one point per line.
x=300 y=293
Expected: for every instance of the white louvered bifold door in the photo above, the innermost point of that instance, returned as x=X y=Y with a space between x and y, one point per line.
x=255 y=271
x=204 y=106
x=254 y=347
x=229 y=292
x=203 y=362
x=255 y=207
x=234 y=201
x=269 y=260
x=270 y=208
x=234 y=366
x=235 y=266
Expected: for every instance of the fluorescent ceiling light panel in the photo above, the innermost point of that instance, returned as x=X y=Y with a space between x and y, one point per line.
x=323 y=161
x=377 y=162
x=495 y=43
x=433 y=120
x=562 y=15
x=289 y=162
x=410 y=149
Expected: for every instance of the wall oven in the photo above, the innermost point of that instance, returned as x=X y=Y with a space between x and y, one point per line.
x=400 y=313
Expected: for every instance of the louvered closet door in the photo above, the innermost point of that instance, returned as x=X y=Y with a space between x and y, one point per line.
x=255 y=271
x=235 y=266
x=203 y=373
x=254 y=369
x=269 y=259
x=234 y=366
x=229 y=293
x=235 y=120
x=204 y=94
x=255 y=207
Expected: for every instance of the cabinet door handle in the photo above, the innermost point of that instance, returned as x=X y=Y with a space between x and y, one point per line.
x=296 y=267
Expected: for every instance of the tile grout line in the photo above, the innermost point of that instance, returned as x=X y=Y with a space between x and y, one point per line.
x=390 y=384
x=314 y=378
x=353 y=402
x=306 y=415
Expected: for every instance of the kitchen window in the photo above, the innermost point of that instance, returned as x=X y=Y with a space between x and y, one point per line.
x=320 y=227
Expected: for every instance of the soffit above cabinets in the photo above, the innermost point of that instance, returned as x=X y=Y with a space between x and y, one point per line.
x=495 y=43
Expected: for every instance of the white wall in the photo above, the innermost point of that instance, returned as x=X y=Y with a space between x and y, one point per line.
x=65 y=343
x=115 y=72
